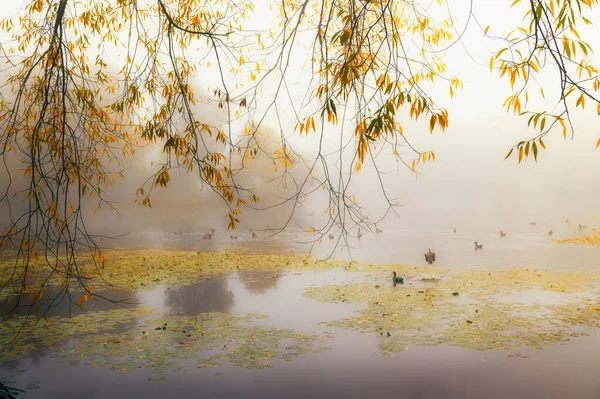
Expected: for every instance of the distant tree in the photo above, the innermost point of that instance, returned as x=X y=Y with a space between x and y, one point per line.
x=90 y=81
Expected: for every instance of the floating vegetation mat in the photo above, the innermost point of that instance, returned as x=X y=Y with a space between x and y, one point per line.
x=593 y=239
x=471 y=309
x=212 y=339
x=135 y=270
x=159 y=343
x=19 y=336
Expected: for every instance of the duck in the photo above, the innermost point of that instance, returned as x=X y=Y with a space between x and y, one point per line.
x=397 y=280
x=502 y=234
x=532 y=223
x=566 y=220
x=232 y=237
x=478 y=246
x=209 y=235
x=581 y=227
x=550 y=233
x=254 y=235
x=331 y=236
x=378 y=230
x=455 y=229
x=430 y=257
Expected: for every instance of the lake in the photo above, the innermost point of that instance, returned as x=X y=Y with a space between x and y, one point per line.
x=350 y=363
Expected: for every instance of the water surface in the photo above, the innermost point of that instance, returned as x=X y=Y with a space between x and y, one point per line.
x=352 y=367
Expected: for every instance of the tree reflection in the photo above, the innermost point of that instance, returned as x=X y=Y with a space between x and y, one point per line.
x=34 y=357
x=259 y=282
x=206 y=296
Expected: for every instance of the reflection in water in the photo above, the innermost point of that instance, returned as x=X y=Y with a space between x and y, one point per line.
x=59 y=303
x=425 y=388
x=206 y=296
x=35 y=358
x=259 y=282
x=352 y=368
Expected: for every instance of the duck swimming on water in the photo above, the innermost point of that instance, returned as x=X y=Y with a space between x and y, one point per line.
x=397 y=280
x=478 y=246
x=430 y=257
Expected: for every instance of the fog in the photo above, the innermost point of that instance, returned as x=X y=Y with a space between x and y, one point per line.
x=470 y=185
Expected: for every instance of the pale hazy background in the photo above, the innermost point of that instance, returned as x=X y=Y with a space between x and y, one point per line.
x=469 y=186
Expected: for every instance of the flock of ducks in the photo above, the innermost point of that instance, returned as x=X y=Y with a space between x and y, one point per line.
x=430 y=255
x=359 y=233
x=550 y=232
x=211 y=233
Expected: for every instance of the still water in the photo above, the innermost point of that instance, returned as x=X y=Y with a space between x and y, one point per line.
x=352 y=367
x=523 y=246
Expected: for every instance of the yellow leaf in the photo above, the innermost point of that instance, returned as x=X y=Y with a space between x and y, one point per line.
x=485 y=31
x=597 y=143
x=542 y=144
x=533 y=66
x=520 y=154
x=580 y=100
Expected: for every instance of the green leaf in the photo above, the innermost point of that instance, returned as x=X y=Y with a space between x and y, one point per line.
x=371 y=125
x=535 y=151
x=538 y=12
x=508 y=155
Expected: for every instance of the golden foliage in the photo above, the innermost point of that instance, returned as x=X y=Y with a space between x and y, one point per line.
x=549 y=40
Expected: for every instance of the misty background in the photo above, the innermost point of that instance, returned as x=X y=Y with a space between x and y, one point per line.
x=469 y=186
